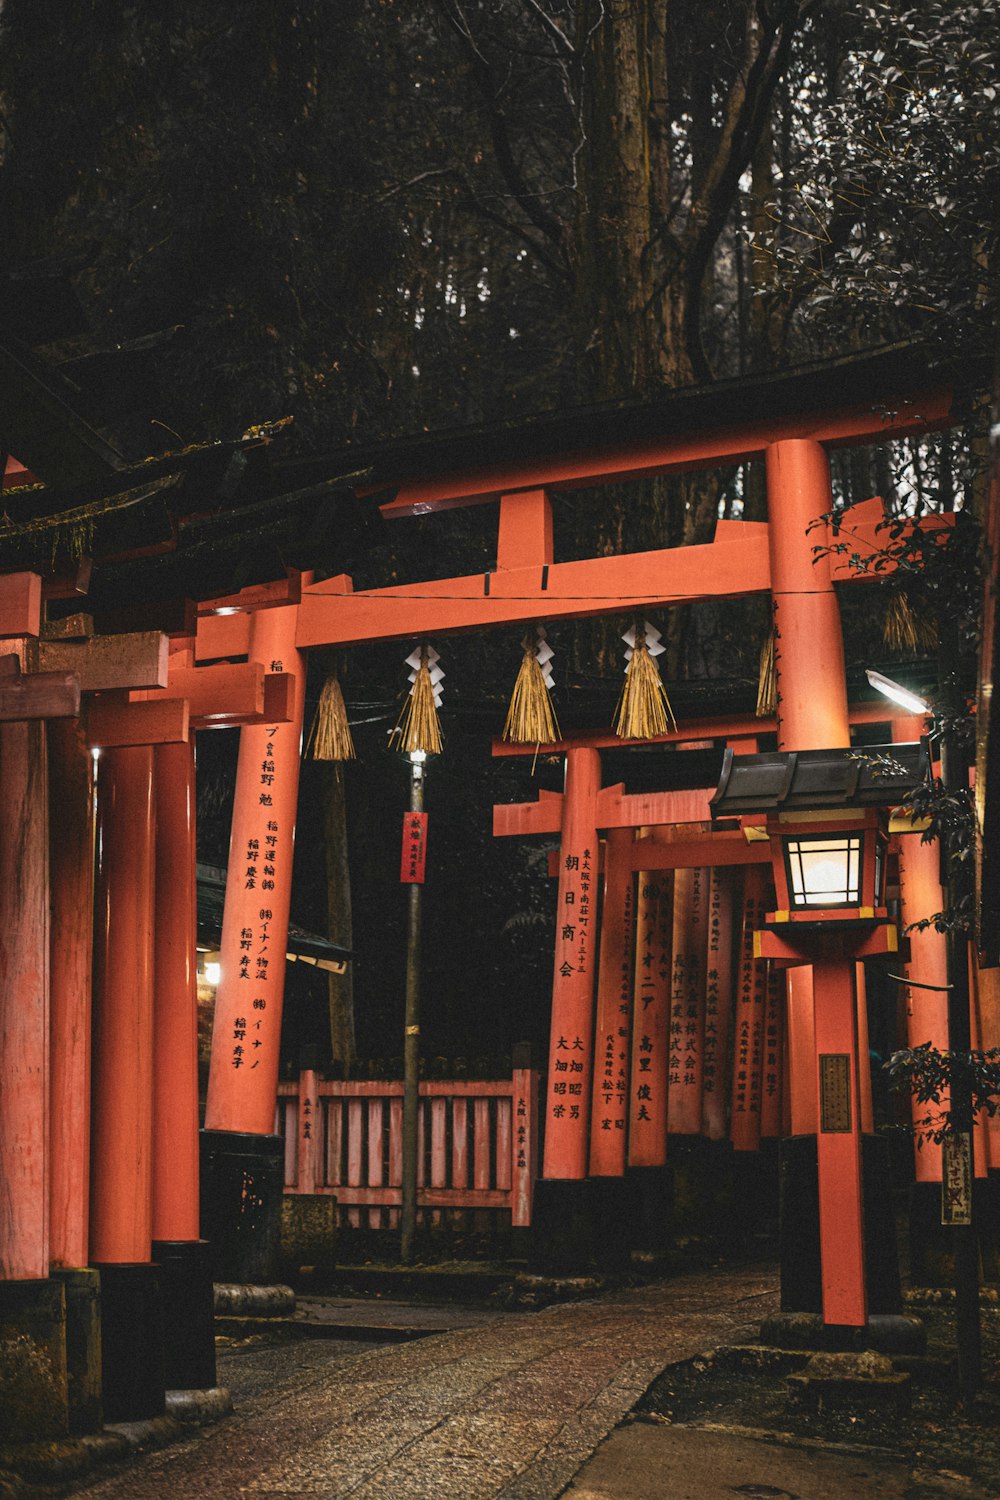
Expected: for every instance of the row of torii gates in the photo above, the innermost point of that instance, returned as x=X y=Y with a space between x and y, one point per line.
x=99 y=1140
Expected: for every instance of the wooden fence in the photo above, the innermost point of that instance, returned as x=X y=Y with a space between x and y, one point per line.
x=477 y=1146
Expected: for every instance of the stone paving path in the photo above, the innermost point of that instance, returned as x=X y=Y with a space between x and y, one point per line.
x=510 y=1409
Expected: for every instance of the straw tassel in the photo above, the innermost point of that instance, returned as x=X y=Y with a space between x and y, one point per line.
x=904 y=630
x=643 y=710
x=330 y=734
x=531 y=719
x=767 y=681
x=418 y=727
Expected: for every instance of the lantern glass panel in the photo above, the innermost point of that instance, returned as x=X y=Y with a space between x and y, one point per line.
x=825 y=871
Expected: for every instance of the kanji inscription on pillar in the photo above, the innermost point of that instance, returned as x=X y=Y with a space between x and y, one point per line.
x=748 y=1041
x=568 y=1090
x=654 y=938
x=609 y=1111
x=252 y=954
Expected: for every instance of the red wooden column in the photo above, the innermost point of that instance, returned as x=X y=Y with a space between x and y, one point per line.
x=840 y=1201
x=687 y=1001
x=71 y=879
x=180 y=1252
x=568 y=1086
x=241 y=1156
x=243 y=1077
x=718 y=1002
x=812 y=714
x=647 y=1143
x=926 y=1008
x=809 y=647
x=609 y=1103
x=801 y=1038
x=24 y=1004
x=175 y=1206
x=122 y=1120
x=772 y=1061
x=748 y=1037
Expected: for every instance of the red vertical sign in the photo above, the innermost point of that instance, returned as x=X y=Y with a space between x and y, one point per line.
x=411 y=869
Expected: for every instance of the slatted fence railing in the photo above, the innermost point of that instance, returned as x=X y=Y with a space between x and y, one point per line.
x=477 y=1146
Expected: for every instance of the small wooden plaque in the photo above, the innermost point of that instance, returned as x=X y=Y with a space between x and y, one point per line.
x=835 y=1093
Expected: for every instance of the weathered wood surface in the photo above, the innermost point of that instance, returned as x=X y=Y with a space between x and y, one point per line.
x=20 y=604
x=39 y=695
x=24 y=1004
x=110 y=661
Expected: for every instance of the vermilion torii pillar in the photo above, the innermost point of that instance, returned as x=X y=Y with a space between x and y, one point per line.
x=648 y=1097
x=718 y=1002
x=571 y=1045
x=812 y=714
x=183 y=1257
x=121 y=1217
x=30 y=1303
x=242 y=1157
x=687 y=999
x=609 y=1103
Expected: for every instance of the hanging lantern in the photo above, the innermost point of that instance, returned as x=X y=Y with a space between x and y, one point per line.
x=330 y=735
x=531 y=719
x=418 y=731
x=643 y=710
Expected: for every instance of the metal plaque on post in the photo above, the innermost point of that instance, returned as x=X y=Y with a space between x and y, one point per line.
x=835 y=1093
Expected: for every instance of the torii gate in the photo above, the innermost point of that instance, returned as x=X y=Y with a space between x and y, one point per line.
x=528 y=584
x=115 y=1185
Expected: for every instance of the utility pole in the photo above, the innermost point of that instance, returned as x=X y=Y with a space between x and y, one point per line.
x=411 y=1037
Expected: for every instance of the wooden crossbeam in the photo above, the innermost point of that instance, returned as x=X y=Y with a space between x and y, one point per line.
x=227 y=695
x=571 y=590
x=733 y=729
x=869 y=422
x=36 y=695
x=107 y=662
x=20 y=604
x=111 y=721
x=281 y=591
x=615 y=809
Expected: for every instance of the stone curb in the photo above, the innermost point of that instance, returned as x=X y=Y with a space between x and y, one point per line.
x=68 y=1460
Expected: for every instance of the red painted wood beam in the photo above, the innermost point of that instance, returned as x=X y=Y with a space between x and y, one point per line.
x=711 y=849
x=24 y=1005
x=71 y=894
x=857 y=424
x=726 y=728
x=20 y=604
x=272 y=595
x=112 y=722
x=570 y=590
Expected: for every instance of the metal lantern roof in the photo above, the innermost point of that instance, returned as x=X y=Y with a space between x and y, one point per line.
x=811 y=780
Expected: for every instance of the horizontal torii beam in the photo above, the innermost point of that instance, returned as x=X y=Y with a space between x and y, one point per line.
x=731 y=728
x=20 y=604
x=227 y=696
x=36 y=695
x=871 y=422
x=615 y=809
x=528 y=585
x=111 y=721
x=687 y=853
